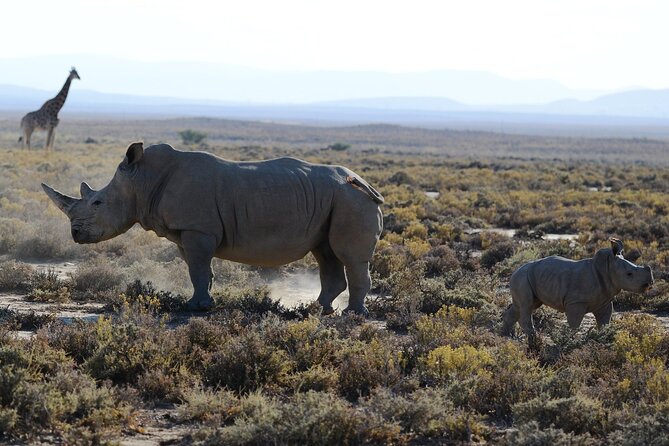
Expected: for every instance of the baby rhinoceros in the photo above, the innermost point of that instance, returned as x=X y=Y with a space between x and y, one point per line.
x=573 y=287
x=265 y=213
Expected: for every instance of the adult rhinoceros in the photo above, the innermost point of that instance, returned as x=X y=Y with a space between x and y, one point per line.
x=265 y=213
x=573 y=287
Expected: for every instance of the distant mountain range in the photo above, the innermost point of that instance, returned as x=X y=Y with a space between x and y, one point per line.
x=646 y=104
x=637 y=103
x=483 y=100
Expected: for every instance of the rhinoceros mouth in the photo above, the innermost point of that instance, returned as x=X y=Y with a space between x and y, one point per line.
x=84 y=237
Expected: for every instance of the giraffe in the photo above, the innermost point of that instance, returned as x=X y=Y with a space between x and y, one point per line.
x=46 y=118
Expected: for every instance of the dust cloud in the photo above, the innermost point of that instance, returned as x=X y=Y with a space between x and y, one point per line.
x=301 y=288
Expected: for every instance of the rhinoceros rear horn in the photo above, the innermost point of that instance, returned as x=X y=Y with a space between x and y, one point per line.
x=85 y=190
x=63 y=202
x=616 y=246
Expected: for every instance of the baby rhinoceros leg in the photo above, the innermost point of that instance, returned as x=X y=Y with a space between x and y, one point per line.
x=509 y=319
x=603 y=314
x=198 y=250
x=525 y=303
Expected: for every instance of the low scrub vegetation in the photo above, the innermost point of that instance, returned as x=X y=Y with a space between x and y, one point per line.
x=428 y=366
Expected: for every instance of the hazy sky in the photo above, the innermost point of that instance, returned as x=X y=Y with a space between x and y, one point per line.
x=584 y=44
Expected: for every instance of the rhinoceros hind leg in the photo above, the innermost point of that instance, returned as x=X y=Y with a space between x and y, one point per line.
x=603 y=315
x=359 y=284
x=354 y=230
x=333 y=279
x=198 y=250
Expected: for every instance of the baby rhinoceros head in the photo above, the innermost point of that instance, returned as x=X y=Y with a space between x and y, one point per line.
x=106 y=213
x=625 y=274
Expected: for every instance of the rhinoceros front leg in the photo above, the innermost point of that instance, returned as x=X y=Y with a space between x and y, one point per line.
x=198 y=250
x=575 y=315
x=211 y=270
x=603 y=315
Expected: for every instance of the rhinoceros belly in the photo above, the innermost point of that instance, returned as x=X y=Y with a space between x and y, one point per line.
x=270 y=249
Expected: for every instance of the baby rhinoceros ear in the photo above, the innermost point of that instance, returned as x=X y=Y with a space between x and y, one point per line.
x=616 y=246
x=133 y=154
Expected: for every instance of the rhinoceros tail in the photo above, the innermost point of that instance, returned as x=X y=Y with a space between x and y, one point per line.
x=366 y=188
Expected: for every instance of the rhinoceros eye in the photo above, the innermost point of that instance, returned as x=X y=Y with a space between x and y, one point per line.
x=629 y=274
x=97 y=203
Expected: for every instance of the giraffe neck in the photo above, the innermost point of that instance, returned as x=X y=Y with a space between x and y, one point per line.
x=59 y=100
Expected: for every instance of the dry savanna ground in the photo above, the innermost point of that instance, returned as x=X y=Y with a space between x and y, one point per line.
x=264 y=367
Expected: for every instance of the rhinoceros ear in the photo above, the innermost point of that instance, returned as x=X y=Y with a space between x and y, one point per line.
x=616 y=246
x=134 y=153
x=85 y=190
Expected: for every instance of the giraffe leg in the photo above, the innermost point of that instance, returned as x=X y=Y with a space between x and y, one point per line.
x=29 y=133
x=49 y=139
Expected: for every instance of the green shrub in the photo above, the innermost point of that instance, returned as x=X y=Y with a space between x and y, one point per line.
x=338 y=146
x=429 y=413
x=146 y=294
x=439 y=260
x=46 y=286
x=451 y=325
x=15 y=276
x=166 y=385
x=11 y=376
x=8 y=418
x=41 y=404
x=25 y=321
x=367 y=366
x=445 y=364
x=645 y=425
x=247 y=362
x=512 y=378
x=577 y=414
x=496 y=253
x=307 y=419
x=316 y=378
x=96 y=276
x=190 y=136
x=532 y=434
x=79 y=340
x=129 y=346
x=309 y=343
x=209 y=407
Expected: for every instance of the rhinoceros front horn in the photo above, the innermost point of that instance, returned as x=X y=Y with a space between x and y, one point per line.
x=63 y=202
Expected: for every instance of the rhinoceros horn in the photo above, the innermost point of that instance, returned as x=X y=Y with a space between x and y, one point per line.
x=616 y=246
x=63 y=202
x=85 y=190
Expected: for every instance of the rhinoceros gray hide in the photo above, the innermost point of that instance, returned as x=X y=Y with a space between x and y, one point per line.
x=266 y=213
x=573 y=287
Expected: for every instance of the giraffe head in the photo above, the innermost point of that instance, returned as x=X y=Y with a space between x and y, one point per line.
x=74 y=74
x=103 y=214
